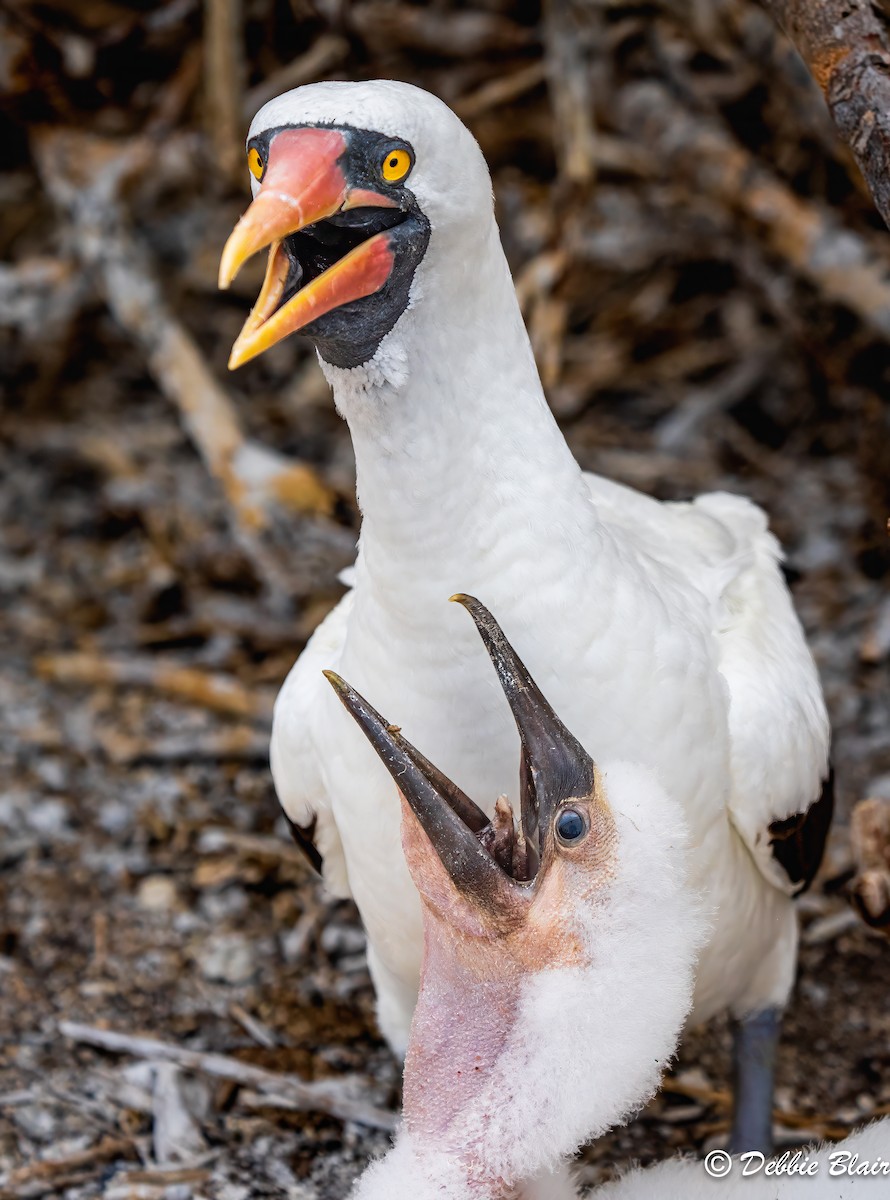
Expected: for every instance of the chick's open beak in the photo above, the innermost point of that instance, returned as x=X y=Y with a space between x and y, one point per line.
x=491 y=862
x=304 y=182
x=450 y=819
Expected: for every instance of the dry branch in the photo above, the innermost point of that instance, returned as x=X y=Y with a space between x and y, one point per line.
x=224 y=82
x=568 y=27
x=501 y=90
x=336 y=1097
x=251 y=845
x=84 y=176
x=52 y=1174
x=694 y=148
x=236 y=743
x=208 y=689
x=845 y=44
x=321 y=56
x=456 y=34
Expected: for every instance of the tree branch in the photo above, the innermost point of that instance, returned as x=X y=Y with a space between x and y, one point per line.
x=846 y=46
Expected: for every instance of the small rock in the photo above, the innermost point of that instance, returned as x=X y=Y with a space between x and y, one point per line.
x=227 y=958
x=218 y=907
x=694 y=1077
x=36 y=1122
x=817 y=993
x=53 y=772
x=342 y=939
x=115 y=817
x=157 y=893
x=48 y=818
x=233 y=1191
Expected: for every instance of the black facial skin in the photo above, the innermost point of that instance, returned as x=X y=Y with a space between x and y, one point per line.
x=350 y=335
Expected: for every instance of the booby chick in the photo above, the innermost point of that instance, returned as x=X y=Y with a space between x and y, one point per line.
x=553 y=991
x=664 y=633
x=553 y=988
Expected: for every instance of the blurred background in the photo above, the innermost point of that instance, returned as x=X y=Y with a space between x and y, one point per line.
x=707 y=286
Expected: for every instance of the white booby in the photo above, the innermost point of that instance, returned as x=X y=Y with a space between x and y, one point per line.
x=553 y=993
x=664 y=632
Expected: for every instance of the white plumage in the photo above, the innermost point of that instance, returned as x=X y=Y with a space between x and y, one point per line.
x=663 y=633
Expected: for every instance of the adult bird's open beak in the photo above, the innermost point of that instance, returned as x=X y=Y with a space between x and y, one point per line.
x=304 y=182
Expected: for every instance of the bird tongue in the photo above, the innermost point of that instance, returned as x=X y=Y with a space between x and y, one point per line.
x=499 y=835
x=508 y=844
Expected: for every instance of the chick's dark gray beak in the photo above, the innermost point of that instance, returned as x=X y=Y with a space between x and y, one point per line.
x=554 y=766
x=489 y=861
x=450 y=819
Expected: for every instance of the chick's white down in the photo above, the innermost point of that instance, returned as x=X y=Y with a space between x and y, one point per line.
x=588 y=1043
x=663 y=633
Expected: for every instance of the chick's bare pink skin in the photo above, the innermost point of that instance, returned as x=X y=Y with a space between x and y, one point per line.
x=477 y=958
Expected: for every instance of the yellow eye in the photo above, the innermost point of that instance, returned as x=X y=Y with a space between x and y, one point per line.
x=255 y=162
x=395 y=165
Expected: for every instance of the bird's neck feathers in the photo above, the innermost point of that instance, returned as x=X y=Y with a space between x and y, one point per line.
x=504 y=1080
x=451 y=429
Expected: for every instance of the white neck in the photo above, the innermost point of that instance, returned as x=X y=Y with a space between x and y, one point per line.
x=454 y=442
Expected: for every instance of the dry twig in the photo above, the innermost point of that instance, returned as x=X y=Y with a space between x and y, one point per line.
x=569 y=35
x=840 y=263
x=53 y=1174
x=84 y=176
x=454 y=34
x=208 y=689
x=224 y=82
x=321 y=56
x=501 y=90
x=335 y=1097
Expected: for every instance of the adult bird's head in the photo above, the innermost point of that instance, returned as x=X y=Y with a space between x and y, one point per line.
x=559 y=944
x=353 y=183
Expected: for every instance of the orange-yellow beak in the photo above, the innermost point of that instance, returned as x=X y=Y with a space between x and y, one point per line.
x=304 y=182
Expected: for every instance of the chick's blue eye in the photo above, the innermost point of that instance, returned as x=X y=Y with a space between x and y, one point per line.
x=570 y=825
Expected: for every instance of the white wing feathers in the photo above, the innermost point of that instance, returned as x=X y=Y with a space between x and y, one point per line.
x=294 y=748
x=778 y=726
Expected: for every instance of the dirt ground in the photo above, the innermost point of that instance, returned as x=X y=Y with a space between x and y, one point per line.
x=691 y=337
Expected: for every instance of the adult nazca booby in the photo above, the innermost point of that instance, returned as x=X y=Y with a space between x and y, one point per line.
x=663 y=632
